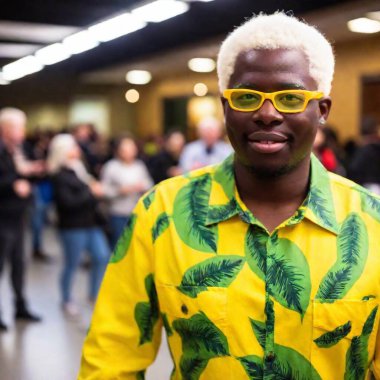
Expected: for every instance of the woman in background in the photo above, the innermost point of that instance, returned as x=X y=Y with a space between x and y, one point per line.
x=125 y=178
x=75 y=195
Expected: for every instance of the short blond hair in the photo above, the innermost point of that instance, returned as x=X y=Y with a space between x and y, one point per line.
x=278 y=31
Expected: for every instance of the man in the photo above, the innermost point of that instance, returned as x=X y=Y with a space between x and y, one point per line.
x=15 y=197
x=263 y=267
x=208 y=150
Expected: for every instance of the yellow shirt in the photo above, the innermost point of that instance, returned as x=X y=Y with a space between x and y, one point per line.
x=238 y=303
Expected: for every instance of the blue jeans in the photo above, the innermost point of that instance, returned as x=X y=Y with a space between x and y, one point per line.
x=74 y=242
x=118 y=223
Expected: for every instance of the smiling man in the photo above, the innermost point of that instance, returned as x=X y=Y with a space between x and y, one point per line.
x=263 y=267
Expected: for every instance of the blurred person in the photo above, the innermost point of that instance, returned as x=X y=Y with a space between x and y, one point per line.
x=365 y=165
x=15 y=200
x=323 y=152
x=166 y=163
x=209 y=149
x=76 y=195
x=125 y=178
x=265 y=266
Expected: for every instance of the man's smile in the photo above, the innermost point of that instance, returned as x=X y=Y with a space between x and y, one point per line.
x=267 y=142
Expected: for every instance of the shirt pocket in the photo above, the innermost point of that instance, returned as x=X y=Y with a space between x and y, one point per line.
x=343 y=337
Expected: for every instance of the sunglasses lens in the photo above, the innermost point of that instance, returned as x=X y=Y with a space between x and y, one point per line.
x=290 y=101
x=245 y=100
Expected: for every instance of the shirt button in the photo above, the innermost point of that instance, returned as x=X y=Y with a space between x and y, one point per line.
x=270 y=356
x=184 y=309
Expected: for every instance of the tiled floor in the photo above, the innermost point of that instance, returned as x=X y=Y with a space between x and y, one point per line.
x=51 y=350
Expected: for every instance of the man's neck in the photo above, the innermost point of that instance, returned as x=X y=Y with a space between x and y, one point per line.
x=273 y=200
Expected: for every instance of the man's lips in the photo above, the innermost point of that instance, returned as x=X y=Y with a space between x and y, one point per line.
x=267 y=142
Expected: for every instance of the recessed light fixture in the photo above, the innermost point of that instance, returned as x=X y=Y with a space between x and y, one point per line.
x=201 y=65
x=363 y=25
x=160 y=10
x=374 y=15
x=3 y=81
x=138 y=77
x=52 y=54
x=132 y=96
x=22 y=67
x=116 y=27
x=200 y=89
x=80 y=42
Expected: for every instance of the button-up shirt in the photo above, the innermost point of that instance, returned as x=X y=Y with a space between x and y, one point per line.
x=238 y=302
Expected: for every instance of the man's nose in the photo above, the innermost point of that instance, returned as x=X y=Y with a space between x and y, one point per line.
x=267 y=114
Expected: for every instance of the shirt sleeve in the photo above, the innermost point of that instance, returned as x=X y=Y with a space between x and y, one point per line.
x=125 y=331
x=375 y=367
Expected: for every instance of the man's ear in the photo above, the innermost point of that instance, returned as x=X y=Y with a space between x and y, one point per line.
x=324 y=107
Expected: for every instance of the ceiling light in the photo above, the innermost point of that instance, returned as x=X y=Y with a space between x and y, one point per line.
x=80 y=42
x=20 y=68
x=52 y=54
x=3 y=81
x=132 y=96
x=374 y=15
x=201 y=65
x=363 y=25
x=116 y=27
x=200 y=89
x=138 y=76
x=160 y=10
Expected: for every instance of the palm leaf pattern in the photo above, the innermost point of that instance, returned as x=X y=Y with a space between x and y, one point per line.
x=256 y=251
x=124 y=242
x=190 y=214
x=352 y=246
x=161 y=224
x=357 y=354
x=148 y=199
x=218 y=271
x=225 y=176
x=140 y=375
x=288 y=276
x=146 y=313
x=222 y=212
x=201 y=337
x=331 y=338
x=253 y=366
x=192 y=367
x=259 y=330
x=317 y=203
x=370 y=204
x=165 y=321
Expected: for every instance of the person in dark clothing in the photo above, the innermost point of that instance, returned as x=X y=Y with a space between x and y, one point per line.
x=365 y=165
x=75 y=197
x=15 y=196
x=166 y=163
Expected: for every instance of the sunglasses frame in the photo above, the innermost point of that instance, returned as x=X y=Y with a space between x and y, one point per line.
x=309 y=95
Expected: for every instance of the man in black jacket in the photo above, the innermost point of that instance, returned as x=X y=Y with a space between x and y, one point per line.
x=15 y=198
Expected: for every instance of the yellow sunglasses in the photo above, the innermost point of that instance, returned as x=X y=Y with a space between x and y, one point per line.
x=287 y=101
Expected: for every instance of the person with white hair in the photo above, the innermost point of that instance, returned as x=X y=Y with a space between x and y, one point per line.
x=76 y=195
x=15 y=200
x=209 y=149
x=265 y=266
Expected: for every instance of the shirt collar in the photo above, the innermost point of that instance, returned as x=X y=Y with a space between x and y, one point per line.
x=318 y=206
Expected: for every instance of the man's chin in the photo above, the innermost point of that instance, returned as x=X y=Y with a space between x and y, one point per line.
x=269 y=172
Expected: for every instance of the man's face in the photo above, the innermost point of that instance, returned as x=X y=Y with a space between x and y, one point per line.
x=13 y=130
x=293 y=134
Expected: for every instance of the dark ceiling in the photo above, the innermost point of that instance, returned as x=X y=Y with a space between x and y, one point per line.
x=202 y=21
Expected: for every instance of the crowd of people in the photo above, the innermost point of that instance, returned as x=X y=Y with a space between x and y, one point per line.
x=87 y=186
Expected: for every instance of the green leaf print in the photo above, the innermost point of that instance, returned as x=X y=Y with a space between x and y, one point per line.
x=259 y=330
x=370 y=204
x=331 y=338
x=288 y=276
x=290 y=365
x=140 y=375
x=146 y=313
x=367 y=298
x=148 y=199
x=357 y=354
x=124 y=242
x=192 y=367
x=318 y=204
x=201 y=337
x=225 y=176
x=218 y=271
x=255 y=250
x=190 y=214
x=253 y=366
x=352 y=248
x=222 y=212
x=165 y=321
x=161 y=224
